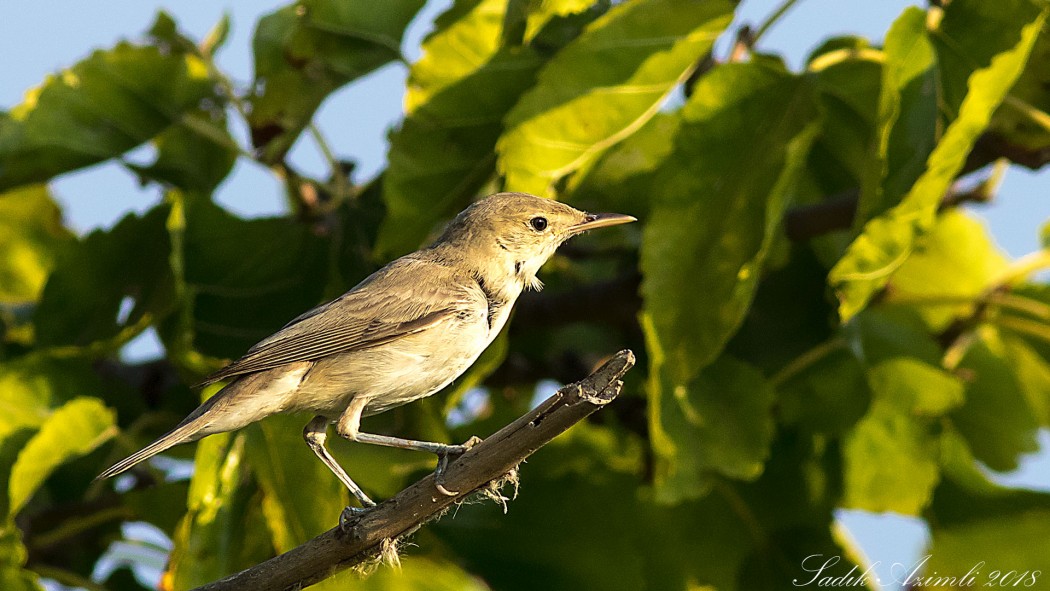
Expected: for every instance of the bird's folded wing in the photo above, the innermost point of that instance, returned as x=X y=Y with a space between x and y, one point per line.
x=397 y=301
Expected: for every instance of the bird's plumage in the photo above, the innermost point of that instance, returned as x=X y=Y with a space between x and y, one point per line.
x=403 y=333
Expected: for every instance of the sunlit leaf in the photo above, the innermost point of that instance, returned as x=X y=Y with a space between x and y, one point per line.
x=71 y=431
x=891 y=455
x=887 y=240
x=301 y=496
x=603 y=86
x=100 y=108
x=223 y=530
x=31 y=234
x=956 y=262
x=621 y=180
x=442 y=155
x=12 y=558
x=907 y=124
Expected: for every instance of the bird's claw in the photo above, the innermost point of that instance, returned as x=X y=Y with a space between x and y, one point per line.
x=349 y=517
x=443 y=460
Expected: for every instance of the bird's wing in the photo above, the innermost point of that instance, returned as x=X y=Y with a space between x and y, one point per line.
x=403 y=298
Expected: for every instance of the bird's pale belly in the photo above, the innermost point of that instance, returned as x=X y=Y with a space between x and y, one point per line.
x=390 y=375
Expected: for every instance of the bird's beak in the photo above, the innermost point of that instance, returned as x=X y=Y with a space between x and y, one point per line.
x=601 y=220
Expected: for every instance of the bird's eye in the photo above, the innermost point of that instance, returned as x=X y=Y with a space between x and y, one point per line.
x=538 y=223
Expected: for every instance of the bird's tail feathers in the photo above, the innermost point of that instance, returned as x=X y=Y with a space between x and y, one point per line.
x=190 y=429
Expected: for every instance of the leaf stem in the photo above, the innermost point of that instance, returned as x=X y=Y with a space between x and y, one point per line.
x=771 y=20
x=806 y=360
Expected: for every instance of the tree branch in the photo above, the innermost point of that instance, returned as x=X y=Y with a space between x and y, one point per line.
x=485 y=463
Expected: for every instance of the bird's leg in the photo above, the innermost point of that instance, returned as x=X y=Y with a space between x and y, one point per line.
x=349 y=426
x=315 y=434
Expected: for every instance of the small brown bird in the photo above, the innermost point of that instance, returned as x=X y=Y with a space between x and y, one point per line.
x=404 y=333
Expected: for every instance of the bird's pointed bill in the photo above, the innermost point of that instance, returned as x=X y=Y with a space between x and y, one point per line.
x=601 y=220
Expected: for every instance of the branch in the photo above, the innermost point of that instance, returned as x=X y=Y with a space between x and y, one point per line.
x=485 y=463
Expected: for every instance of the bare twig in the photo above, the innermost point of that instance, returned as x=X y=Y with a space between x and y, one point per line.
x=402 y=515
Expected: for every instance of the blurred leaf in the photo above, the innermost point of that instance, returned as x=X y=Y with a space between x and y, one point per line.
x=603 y=86
x=887 y=240
x=415 y=572
x=891 y=456
x=13 y=577
x=718 y=423
x=970 y=34
x=301 y=496
x=1021 y=118
x=82 y=300
x=744 y=136
x=306 y=50
x=98 y=109
x=246 y=278
x=540 y=12
x=878 y=334
x=196 y=154
x=71 y=431
x=829 y=396
x=1005 y=551
x=997 y=420
x=224 y=530
x=957 y=260
x=907 y=123
x=849 y=84
x=31 y=235
x=443 y=152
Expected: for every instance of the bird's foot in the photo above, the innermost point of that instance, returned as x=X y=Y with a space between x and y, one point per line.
x=350 y=516
x=444 y=457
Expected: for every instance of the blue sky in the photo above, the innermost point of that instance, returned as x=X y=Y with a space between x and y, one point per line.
x=38 y=38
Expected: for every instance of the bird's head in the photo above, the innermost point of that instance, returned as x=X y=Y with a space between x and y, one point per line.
x=511 y=235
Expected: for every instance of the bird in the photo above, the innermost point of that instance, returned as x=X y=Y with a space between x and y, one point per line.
x=403 y=333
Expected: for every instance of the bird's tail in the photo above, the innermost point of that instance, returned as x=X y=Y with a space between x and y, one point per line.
x=191 y=428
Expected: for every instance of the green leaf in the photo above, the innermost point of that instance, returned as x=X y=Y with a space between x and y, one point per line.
x=73 y=430
x=998 y=420
x=196 y=154
x=888 y=240
x=542 y=11
x=891 y=455
x=849 y=83
x=98 y=109
x=31 y=235
x=1005 y=551
x=621 y=179
x=720 y=197
x=245 y=278
x=455 y=105
x=603 y=86
x=718 y=423
x=13 y=577
x=970 y=34
x=955 y=262
x=307 y=50
x=223 y=530
x=829 y=396
x=907 y=125
x=301 y=496
x=82 y=299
